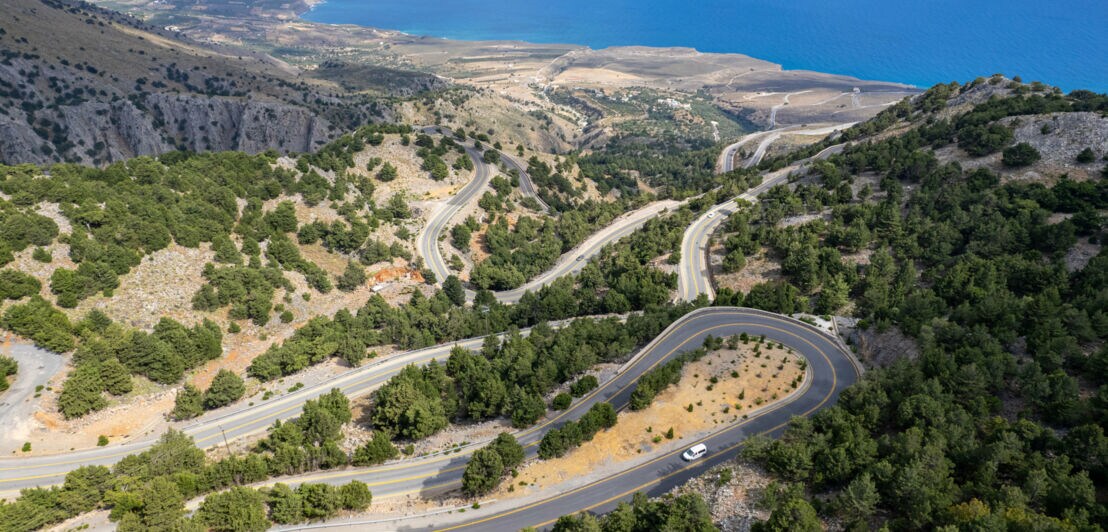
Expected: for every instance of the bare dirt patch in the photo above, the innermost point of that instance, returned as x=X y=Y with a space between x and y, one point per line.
x=53 y=211
x=411 y=179
x=59 y=258
x=162 y=285
x=733 y=492
x=1080 y=254
x=759 y=269
x=762 y=377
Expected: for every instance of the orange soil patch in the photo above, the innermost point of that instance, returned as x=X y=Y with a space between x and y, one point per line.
x=121 y=425
x=234 y=361
x=50 y=421
x=763 y=378
x=393 y=273
x=477 y=245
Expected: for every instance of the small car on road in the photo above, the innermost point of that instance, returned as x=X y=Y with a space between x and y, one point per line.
x=694 y=452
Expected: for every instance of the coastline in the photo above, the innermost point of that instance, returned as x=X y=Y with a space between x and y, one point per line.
x=313 y=4
x=838 y=45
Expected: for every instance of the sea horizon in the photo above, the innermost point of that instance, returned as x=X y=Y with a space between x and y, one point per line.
x=899 y=41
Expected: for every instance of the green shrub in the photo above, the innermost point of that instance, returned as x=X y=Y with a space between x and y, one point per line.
x=38 y=320
x=488 y=465
x=561 y=401
x=189 y=403
x=355 y=496
x=376 y=451
x=483 y=472
x=1020 y=155
x=42 y=255
x=557 y=442
x=583 y=386
x=651 y=384
x=82 y=391
x=225 y=389
x=239 y=509
x=352 y=278
x=17 y=285
x=8 y=367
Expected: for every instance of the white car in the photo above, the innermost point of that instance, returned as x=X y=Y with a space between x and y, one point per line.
x=711 y=215
x=694 y=452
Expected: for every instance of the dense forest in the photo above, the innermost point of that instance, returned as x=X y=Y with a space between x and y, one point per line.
x=675 y=172
x=532 y=245
x=999 y=422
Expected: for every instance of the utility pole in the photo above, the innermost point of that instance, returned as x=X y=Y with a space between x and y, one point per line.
x=228 y=447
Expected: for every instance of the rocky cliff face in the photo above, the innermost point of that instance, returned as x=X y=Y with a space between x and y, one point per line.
x=115 y=88
x=104 y=132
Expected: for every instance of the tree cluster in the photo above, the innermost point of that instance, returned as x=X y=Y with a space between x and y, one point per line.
x=488 y=465
x=8 y=367
x=557 y=442
x=658 y=379
x=16 y=285
x=518 y=253
x=686 y=512
x=990 y=427
x=508 y=377
x=109 y=354
x=225 y=389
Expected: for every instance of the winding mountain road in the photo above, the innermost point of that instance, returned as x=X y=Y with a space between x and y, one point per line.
x=427 y=242
x=830 y=371
x=693 y=271
x=525 y=184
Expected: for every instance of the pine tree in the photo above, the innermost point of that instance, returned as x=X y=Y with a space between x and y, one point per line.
x=236 y=510
x=117 y=381
x=375 y=451
x=352 y=278
x=226 y=388
x=454 y=290
x=483 y=472
x=189 y=404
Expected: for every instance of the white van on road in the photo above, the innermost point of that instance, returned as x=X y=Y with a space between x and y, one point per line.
x=694 y=452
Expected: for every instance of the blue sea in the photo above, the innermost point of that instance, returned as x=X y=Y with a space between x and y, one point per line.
x=921 y=42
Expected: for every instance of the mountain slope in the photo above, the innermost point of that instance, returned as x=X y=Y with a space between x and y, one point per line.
x=80 y=83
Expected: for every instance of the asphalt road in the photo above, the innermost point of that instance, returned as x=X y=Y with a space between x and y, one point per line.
x=525 y=184
x=576 y=259
x=209 y=430
x=726 y=161
x=693 y=276
x=427 y=242
x=830 y=370
x=233 y=422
